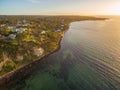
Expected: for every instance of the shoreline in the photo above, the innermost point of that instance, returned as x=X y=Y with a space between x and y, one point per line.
x=6 y=78
x=21 y=72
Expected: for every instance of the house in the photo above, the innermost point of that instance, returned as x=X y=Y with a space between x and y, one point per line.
x=20 y=57
x=43 y=32
x=15 y=31
x=18 y=25
x=38 y=51
x=58 y=30
x=11 y=36
x=2 y=25
x=26 y=24
x=11 y=27
x=19 y=30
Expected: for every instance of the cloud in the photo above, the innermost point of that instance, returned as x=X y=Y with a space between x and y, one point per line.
x=45 y=1
x=36 y=1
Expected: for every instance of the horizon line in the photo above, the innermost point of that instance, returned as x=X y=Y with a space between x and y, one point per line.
x=56 y=15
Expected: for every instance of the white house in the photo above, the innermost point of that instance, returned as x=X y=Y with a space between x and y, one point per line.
x=43 y=32
x=58 y=30
x=12 y=36
x=38 y=51
x=19 y=30
x=11 y=27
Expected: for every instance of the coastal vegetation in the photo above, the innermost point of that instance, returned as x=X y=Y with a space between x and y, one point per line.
x=24 y=39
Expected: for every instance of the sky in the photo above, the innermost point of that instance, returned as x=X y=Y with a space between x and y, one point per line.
x=59 y=7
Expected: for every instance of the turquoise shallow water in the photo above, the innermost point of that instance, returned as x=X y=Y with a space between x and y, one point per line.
x=89 y=59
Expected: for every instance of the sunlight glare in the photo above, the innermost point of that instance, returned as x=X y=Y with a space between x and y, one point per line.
x=115 y=9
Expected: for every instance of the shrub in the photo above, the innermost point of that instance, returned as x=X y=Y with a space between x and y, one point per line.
x=9 y=65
